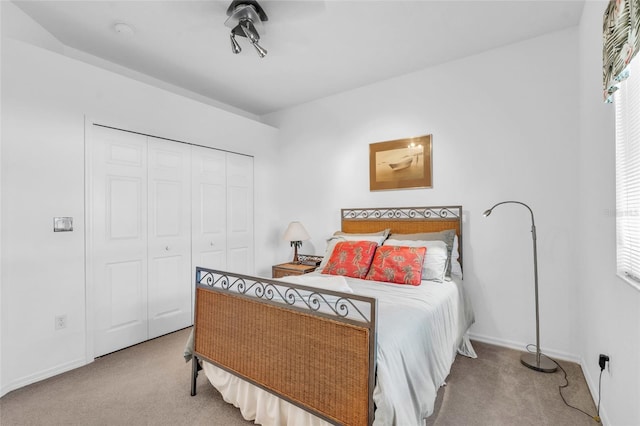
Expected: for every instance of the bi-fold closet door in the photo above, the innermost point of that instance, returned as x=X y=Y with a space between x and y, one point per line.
x=157 y=210
x=168 y=236
x=222 y=213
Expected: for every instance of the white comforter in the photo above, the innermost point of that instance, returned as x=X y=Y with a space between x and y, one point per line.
x=420 y=329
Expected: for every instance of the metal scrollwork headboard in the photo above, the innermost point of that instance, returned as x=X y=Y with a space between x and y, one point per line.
x=404 y=220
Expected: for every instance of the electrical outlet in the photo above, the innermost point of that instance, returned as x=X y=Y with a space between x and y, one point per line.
x=60 y=322
x=603 y=360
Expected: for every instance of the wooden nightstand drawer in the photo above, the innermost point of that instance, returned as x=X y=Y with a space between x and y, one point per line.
x=287 y=269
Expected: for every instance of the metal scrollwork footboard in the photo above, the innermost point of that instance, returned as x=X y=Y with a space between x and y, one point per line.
x=313 y=347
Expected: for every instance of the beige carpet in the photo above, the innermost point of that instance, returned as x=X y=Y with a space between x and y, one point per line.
x=496 y=389
x=148 y=384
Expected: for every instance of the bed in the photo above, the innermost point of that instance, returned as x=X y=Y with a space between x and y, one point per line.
x=328 y=349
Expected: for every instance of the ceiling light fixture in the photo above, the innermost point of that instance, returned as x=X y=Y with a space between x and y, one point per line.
x=123 y=29
x=245 y=18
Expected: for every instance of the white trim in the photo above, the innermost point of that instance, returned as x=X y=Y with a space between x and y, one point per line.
x=44 y=374
x=519 y=346
x=633 y=283
x=88 y=243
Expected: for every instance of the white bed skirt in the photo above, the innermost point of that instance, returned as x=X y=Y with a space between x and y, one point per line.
x=256 y=404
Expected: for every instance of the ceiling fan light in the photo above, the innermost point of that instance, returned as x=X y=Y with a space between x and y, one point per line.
x=249 y=30
x=235 y=47
x=245 y=20
x=244 y=11
x=262 y=52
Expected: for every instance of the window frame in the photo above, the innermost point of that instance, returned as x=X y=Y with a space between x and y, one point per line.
x=627 y=157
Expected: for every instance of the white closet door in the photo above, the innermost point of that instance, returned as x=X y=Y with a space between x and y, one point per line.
x=209 y=209
x=119 y=238
x=240 y=213
x=157 y=210
x=169 y=236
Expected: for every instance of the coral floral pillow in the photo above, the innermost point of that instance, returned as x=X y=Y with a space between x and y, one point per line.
x=397 y=264
x=351 y=259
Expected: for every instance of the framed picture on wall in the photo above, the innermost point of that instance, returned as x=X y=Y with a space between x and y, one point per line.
x=400 y=164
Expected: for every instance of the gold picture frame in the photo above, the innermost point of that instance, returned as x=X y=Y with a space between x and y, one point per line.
x=401 y=164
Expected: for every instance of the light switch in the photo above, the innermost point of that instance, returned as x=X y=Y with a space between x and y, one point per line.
x=62 y=224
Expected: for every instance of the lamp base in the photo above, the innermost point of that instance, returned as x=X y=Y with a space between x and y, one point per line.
x=543 y=364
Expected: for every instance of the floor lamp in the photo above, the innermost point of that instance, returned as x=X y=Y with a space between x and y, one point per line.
x=536 y=361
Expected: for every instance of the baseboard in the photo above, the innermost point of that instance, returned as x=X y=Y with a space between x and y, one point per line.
x=593 y=388
x=520 y=346
x=42 y=375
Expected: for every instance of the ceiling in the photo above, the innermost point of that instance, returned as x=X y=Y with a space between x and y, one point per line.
x=316 y=48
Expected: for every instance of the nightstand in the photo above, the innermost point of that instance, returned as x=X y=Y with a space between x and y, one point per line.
x=287 y=269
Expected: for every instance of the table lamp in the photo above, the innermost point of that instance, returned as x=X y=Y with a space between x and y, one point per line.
x=296 y=234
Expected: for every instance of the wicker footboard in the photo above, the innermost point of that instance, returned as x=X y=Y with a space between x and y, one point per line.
x=314 y=348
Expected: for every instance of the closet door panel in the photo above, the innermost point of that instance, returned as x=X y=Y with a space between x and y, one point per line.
x=209 y=209
x=119 y=237
x=209 y=236
x=240 y=213
x=169 y=234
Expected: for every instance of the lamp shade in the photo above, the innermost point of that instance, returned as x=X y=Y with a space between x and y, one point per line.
x=296 y=232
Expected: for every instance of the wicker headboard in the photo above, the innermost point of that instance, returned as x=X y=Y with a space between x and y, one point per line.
x=404 y=220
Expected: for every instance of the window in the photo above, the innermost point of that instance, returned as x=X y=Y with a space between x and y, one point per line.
x=627 y=105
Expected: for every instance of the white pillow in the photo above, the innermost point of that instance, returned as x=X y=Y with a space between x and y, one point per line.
x=378 y=239
x=436 y=260
x=456 y=268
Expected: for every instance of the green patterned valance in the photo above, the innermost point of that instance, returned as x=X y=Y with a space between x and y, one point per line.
x=621 y=28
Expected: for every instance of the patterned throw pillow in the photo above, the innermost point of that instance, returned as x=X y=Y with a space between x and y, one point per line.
x=351 y=259
x=397 y=264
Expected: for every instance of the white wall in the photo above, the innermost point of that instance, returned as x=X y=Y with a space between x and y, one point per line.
x=45 y=97
x=505 y=126
x=609 y=308
x=2 y=319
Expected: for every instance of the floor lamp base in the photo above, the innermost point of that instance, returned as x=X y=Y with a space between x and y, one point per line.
x=543 y=364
